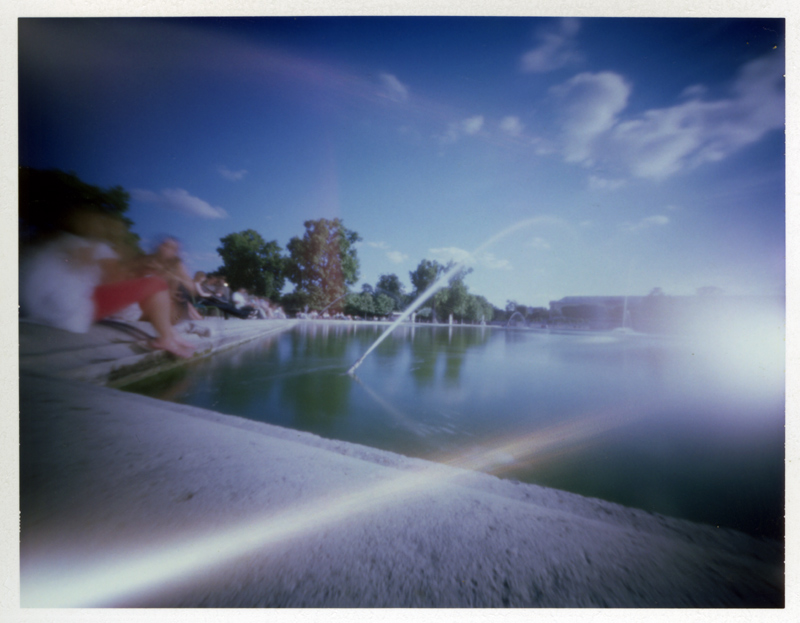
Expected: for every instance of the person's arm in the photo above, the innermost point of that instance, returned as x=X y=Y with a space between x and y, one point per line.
x=185 y=279
x=201 y=291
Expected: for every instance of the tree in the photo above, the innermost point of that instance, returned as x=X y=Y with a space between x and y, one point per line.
x=252 y=263
x=48 y=198
x=359 y=304
x=383 y=305
x=323 y=263
x=426 y=273
x=422 y=278
x=479 y=309
x=392 y=287
x=454 y=299
x=539 y=314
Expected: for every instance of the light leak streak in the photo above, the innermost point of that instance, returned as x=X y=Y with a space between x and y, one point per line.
x=122 y=579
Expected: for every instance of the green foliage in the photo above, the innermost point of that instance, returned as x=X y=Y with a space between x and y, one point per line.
x=367 y=303
x=479 y=309
x=49 y=198
x=453 y=300
x=323 y=263
x=391 y=286
x=251 y=262
x=294 y=302
x=359 y=304
x=424 y=275
x=384 y=305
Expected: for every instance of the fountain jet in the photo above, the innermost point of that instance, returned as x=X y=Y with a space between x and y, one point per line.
x=438 y=284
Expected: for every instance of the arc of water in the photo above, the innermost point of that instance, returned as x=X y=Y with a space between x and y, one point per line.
x=437 y=285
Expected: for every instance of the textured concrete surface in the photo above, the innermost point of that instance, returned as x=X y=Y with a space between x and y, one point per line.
x=129 y=501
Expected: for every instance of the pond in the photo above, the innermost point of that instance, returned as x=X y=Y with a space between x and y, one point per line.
x=670 y=425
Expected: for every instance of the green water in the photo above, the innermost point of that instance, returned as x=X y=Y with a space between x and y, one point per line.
x=667 y=425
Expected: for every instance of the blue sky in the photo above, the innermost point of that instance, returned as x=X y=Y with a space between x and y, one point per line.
x=621 y=154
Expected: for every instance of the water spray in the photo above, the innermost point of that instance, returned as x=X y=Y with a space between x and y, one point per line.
x=437 y=285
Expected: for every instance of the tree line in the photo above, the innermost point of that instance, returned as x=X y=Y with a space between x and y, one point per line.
x=322 y=264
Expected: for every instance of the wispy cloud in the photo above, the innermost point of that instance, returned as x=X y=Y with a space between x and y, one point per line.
x=180 y=200
x=392 y=88
x=601 y=183
x=396 y=257
x=646 y=223
x=461 y=256
x=663 y=141
x=233 y=176
x=556 y=48
x=472 y=125
x=539 y=243
x=589 y=105
x=466 y=127
x=511 y=125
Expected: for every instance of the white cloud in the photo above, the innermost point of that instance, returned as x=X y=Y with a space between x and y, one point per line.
x=233 y=176
x=452 y=254
x=511 y=125
x=181 y=201
x=556 y=49
x=667 y=140
x=460 y=256
x=589 y=105
x=600 y=183
x=472 y=125
x=696 y=90
x=663 y=141
x=646 y=223
x=147 y=196
x=393 y=88
x=456 y=129
x=539 y=243
x=396 y=257
x=488 y=260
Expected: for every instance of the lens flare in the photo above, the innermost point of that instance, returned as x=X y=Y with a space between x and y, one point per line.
x=108 y=581
x=124 y=576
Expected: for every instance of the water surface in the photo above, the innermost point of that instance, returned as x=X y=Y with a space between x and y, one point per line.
x=683 y=427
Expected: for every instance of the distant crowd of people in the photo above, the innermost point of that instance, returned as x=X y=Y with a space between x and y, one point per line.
x=315 y=315
x=212 y=292
x=83 y=272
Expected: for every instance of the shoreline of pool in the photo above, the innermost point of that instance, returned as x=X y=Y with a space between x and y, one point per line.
x=280 y=518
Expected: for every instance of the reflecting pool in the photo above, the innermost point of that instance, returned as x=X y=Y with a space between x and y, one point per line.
x=680 y=426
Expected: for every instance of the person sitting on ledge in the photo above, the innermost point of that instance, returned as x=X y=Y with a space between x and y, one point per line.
x=240 y=300
x=208 y=296
x=75 y=279
x=165 y=262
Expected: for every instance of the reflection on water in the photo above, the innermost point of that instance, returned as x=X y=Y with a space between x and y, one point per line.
x=680 y=426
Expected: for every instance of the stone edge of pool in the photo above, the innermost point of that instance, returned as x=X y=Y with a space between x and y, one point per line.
x=522 y=531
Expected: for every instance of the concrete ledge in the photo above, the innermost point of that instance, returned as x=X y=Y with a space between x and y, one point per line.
x=118 y=355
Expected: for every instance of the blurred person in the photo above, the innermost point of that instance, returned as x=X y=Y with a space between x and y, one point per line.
x=75 y=279
x=165 y=261
x=241 y=301
x=207 y=295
